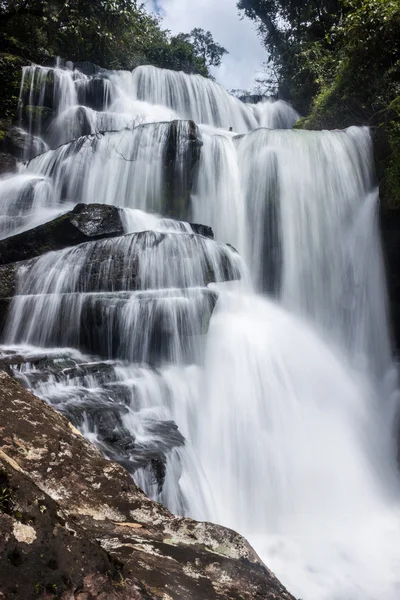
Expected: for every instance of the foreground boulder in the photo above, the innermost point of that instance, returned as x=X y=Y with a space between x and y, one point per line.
x=86 y=222
x=73 y=525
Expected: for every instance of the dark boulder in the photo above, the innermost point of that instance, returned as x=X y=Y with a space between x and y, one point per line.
x=203 y=230
x=8 y=163
x=37 y=118
x=390 y=227
x=182 y=155
x=8 y=283
x=103 y=322
x=21 y=144
x=115 y=265
x=84 y=223
x=87 y=68
x=75 y=124
x=94 y=93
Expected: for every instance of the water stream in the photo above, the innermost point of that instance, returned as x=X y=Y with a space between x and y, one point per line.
x=264 y=377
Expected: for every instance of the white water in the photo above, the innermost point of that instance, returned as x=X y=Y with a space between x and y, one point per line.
x=287 y=405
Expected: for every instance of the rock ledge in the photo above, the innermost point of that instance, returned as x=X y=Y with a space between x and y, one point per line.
x=73 y=525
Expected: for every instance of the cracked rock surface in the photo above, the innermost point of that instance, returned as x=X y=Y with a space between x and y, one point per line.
x=73 y=525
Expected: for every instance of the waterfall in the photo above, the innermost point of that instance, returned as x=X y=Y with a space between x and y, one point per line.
x=253 y=384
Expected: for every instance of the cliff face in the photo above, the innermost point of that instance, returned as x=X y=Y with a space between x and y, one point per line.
x=73 y=525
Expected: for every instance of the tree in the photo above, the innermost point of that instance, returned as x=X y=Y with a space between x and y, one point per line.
x=326 y=53
x=289 y=29
x=205 y=47
x=115 y=34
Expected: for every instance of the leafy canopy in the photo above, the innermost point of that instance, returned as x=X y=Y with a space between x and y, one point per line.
x=313 y=46
x=112 y=33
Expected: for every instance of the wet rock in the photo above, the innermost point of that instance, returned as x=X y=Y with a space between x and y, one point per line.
x=203 y=230
x=8 y=278
x=37 y=118
x=85 y=222
x=91 y=396
x=75 y=124
x=119 y=265
x=103 y=317
x=182 y=155
x=94 y=93
x=108 y=272
x=87 y=68
x=8 y=163
x=4 y=308
x=390 y=226
x=21 y=144
x=95 y=534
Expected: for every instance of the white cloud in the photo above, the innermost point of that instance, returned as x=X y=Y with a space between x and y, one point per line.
x=246 y=54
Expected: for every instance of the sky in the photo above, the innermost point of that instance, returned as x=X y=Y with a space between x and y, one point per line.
x=240 y=67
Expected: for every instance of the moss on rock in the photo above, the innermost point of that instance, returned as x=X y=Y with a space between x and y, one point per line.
x=38 y=115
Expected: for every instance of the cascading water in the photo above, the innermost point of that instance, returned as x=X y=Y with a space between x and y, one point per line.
x=272 y=414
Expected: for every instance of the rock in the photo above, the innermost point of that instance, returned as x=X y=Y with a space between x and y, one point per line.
x=87 y=68
x=8 y=163
x=118 y=265
x=21 y=144
x=84 y=223
x=390 y=226
x=74 y=525
x=95 y=398
x=106 y=272
x=103 y=319
x=203 y=230
x=182 y=154
x=8 y=282
x=37 y=118
x=8 y=278
x=73 y=124
x=385 y=133
x=94 y=93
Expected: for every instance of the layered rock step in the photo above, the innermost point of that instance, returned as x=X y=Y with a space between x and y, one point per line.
x=86 y=222
x=98 y=296
x=133 y=304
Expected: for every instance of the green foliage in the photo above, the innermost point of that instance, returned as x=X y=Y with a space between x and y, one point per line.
x=177 y=54
x=294 y=33
x=392 y=173
x=116 y=34
x=10 y=69
x=205 y=47
x=387 y=150
x=331 y=52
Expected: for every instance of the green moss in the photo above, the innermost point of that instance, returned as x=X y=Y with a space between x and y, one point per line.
x=36 y=114
x=301 y=123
